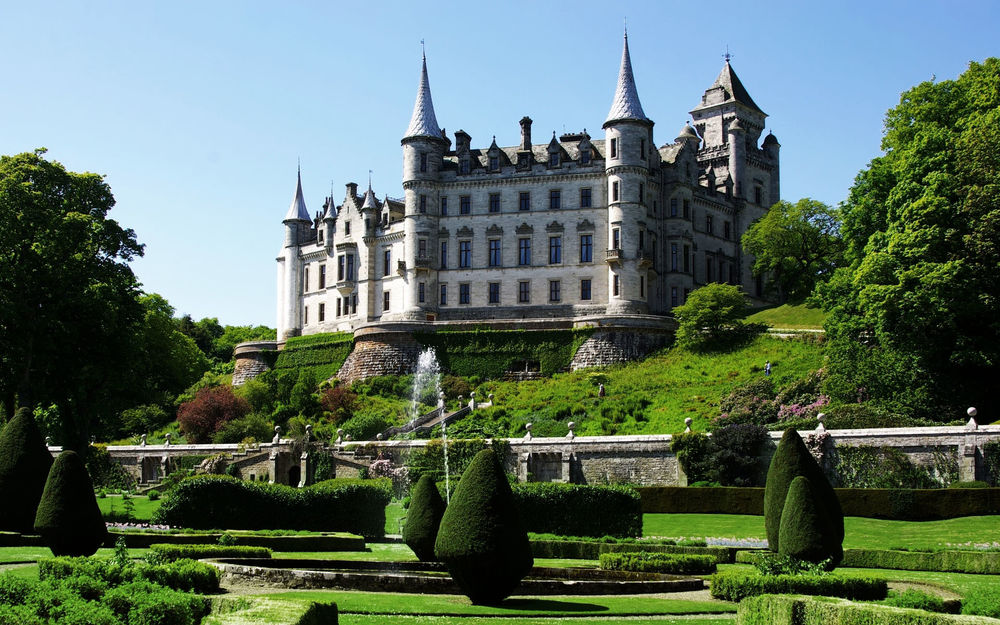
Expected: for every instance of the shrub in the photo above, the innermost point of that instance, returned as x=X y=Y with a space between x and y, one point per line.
x=144 y=603
x=868 y=466
x=339 y=403
x=153 y=495
x=481 y=539
x=970 y=484
x=791 y=460
x=423 y=518
x=364 y=427
x=916 y=600
x=592 y=550
x=579 y=510
x=983 y=562
x=991 y=460
x=712 y=318
x=143 y=419
x=804 y=531
x=649 y=562
x=738 y=448
x=24 y=466
x=254 y=426
x=210 y=409
x=197 y=552
x=738 y=585
x=770 y=563
x=68 y=517
x=183 y=575
x=694 y=454
x=786 y=610
x=982 y=602
x=751 y=402
x=105 y=471
x=216 y=501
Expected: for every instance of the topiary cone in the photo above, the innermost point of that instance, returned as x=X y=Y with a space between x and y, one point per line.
x=423 y=518
x=791 y=459
x=24 y=466
x=481 y=538
x=68 y=517
x=805 y=532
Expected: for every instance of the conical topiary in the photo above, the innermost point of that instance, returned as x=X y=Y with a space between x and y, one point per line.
x=68 y=517
x=24 y=467
x=791 y=459
x=423 y=518
x=481 y=539
x=805 y=531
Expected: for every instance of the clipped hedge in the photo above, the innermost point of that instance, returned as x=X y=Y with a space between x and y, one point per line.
x=223 y=502
x=322 y=353
x=184 y=575
x=792 y=610
x=197 y=552
x=984 y=562
x=738 y=585
x=651 y=562
x=875 y=503
x=319 y=614
x=590 y=550
x=489 y=353
x=576 y=510
x=308 y=542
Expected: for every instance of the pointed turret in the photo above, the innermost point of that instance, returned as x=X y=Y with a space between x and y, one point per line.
x=370 y=202
x=626 y=105
x=733 y=89
x=297 y=211
x=423 y=123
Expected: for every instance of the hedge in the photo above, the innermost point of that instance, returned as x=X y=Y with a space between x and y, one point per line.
x=589 y=550
x=197 y=552
x=650 y=562
x=577 y=510
x=322 y=353
x=490 y=353
x=184 y=575
x=984 y=562
x=738 y=585
x=308 y=542
x=792 y=610
x=319 y=614
x=223 y=502
x=876 y=503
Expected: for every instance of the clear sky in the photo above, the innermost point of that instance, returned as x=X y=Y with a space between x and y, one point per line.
x=198 y=111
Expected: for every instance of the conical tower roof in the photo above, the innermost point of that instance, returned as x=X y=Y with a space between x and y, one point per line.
x=734 y=89
x=423 y=123
x=626 y=105
x=370 y=202
x=297 y=211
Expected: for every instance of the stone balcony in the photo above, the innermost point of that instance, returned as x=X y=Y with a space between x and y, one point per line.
x=614 y=256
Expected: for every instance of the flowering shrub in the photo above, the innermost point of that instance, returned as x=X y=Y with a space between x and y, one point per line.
x=791 y=412
x=400 y=476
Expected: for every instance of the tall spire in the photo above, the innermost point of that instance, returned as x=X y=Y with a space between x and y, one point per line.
x=626 y=104
x=298 y=208
x=423 y=123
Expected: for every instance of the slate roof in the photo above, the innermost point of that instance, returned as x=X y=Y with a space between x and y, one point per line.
x=626 y=105
x=735 y=90
x=423 y=123
x=297 y=210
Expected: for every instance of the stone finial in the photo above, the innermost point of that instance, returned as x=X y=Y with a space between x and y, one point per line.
x=441 y=400
x=572 y=426
x=48 y=441
x=340 y=436
x=347 y=437
x=309 y=431
x=821 y=417
x=687 y=424
x=472 y=400
x=461 y=398
x=489 y=398
x=277 y=435
x=378 y=436
x=527 y=435
x=167 y=437
x=972 y=424
x=142 y=440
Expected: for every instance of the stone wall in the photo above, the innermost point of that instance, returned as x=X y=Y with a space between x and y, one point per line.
x=384 y=353
x=251 y=360
x=615 y=347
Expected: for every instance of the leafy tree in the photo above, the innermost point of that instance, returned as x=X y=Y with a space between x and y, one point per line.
x=68 y=300
x=915 y=316
x=712 y=318
x=24 y=467
x=223 y=345
x=423 y=518
x=209 y=411
x=797 y=244
x=68 y=518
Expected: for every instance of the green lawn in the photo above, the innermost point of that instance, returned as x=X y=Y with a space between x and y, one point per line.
x=144 y=508
x=859 y=532
x=791 y=317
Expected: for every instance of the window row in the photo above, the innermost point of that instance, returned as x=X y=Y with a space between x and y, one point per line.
x=523 y=293
x=344 y=306
x=524 y=161
x=494 y=256
x=494 y=202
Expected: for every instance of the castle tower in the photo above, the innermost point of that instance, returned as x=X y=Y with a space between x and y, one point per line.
x=423 y=155
x=628 y=146
x=297 y=224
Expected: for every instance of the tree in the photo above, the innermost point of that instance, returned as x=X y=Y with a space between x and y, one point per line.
x=423 y=518
x=798 y=245
x=209 y=411
x=804 y=525
x=68 y=299
x=24 y=466
x=712 y=318
x=481 y=539
x=68 y=518
x=914 y=321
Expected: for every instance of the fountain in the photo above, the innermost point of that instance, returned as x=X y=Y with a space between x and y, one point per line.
x=427 y=378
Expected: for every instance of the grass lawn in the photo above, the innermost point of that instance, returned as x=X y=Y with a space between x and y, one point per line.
x=792 y=317
x=144 y=508
x=860 y=533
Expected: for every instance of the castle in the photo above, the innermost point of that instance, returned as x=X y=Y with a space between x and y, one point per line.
x=575 y=228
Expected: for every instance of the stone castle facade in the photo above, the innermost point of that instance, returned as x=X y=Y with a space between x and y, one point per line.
x=576 y=228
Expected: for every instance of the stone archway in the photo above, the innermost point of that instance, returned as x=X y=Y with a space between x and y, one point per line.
x=294 y=475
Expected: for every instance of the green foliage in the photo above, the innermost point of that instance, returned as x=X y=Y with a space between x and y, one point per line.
x=790 y=610
x=169 y=553
x=866 y=466
x=364 y=427
x=791 y=317
x=489 y=353
x=481 y=539
x=737 y=585
x=750 y=402
x=254 y=427
x=320 y=354
x=982 y=602
x=796 y=246
x=712 y=319
x=973 y=561
x=991 y=461
x=68 y=518
x=651 y=562
x=914 y=323
x=731 y=457
x=24 y=466
x=209 y=411
x=804 y=525
x=579 y=510
x=915 y=600
x=143 y=419
x=224 y=502
x=105 y=472
x=694 y=454
x=685 y=500
x=770 y=563
x=430 y=459
x=588 y=548
x=423 y=518
x=183 y=575
x=791 y=460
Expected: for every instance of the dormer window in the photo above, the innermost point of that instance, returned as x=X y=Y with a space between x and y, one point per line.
x=494 y=163
x=554 y=159
x=463 y=166
x=585 y=157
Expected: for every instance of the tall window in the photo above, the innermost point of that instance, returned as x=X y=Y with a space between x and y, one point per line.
x=642 y=193
x=524 y=201
x=423 y=203
x=524 y=251
x=554 y=291
x=494 y=202
x=616 y=285
x=673 y=257
x=463 y=166
x=465 y=253
x=642 y=286
x=758 y=195
x=322 y=276
x=687 y=260
x=305 y=313
x=444 y=295
x=463 y=293
x=495 y=258
x=726 y=232
x=387 y=259
x=444 y=254
x=494 y=163
x=350 y=267
x=586 y=248
x=322 y=311
x=465 y=204
x=421 y=292
x=585 y=289
x=555 y=250
x=494 y=292
x=385 y=301
x=421 y=248
x=614 y=191
x=347 y=228
x=673 y=296
x=616 y=239
x=354 y=303
x=524 y=292
x=554 y=159
x=708 y=224
x=423 y=161
x=642 y=149
x=673 y=207
x=614 y=148
x=708 y=268
x=555 y=198
x=444 y=206
x=340 y=267
x=687 y=209
x=585 y=157
x=585 y=201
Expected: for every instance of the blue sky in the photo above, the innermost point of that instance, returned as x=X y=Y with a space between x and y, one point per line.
x=198 y=111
